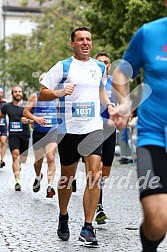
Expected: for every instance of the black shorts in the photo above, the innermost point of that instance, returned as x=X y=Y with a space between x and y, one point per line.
x=152 y=170
x=3 y=131
x=73 y=146
x=19 y=142
x=41 y=139
x=108 y=149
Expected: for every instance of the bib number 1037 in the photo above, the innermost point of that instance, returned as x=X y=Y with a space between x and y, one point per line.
x=83 y=110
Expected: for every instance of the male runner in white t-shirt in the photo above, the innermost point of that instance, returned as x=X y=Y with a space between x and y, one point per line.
x=78 y=81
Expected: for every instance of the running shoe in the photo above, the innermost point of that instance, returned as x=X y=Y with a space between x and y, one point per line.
x=17 y=187
x=63 y=231
x=50 y=192
x=74 y=186
x=88 y=238
x=101 y=216
x=2 y=164
x=36 y=185
x=124 y=161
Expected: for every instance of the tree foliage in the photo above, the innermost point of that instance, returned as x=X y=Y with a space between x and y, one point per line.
x=52 y=35
x=112 y=23
x=26 y=57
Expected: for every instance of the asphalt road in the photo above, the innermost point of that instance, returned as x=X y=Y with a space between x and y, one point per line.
x=28 y=220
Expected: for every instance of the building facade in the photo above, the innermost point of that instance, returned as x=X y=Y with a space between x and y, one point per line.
x=16 y=16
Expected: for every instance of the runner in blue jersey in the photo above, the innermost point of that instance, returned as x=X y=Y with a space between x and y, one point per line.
x=78 y=80
x=148 y=50
x=108 y=148
x=44 y=115
x=3 y=130
x=18 y=132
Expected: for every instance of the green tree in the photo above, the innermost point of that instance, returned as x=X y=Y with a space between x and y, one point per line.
x=18 y=62
x=27 y=57
x=114 y=22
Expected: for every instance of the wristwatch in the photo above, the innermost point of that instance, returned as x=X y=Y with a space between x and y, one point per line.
x=111 y=104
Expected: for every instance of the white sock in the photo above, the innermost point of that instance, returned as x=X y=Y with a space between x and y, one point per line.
x=38 y=177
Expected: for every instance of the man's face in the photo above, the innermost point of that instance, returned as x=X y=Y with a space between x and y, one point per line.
x=17 y=94
x=106 y=61
x=82 y=45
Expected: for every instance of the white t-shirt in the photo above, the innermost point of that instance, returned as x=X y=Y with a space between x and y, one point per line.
x=82 y=107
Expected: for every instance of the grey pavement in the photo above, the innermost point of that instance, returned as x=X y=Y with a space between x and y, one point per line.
x=28 y=220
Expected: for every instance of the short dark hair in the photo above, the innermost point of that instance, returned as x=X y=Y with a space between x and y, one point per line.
x=102 y=54
x=81 y=28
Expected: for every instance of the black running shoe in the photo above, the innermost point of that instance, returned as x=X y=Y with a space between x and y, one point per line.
x=124 y=161
x=17 y=187
x=88 y=238
x=74 y=186
x=2 y=164
x=100 y=216
x=50 y=192
x=36 y=185
x=63 y=231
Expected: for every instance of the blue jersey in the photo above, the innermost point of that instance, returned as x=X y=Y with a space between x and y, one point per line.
x=47 y=109
x=103 y=110
x=148 y=49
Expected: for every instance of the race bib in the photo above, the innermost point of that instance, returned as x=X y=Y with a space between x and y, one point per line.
x=16 y=126
x=83 y=110
x=3 y=121
x=50 y=121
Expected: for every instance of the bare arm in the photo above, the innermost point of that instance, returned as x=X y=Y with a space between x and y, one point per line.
x=32 y=101
x=121 y=87
x=46 y=94
x=104 y=97
x=120 y=115
x=28 y=107
x=2 y=115
x=106 y=102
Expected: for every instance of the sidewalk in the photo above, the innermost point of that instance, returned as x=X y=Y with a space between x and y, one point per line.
x=28 y=221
